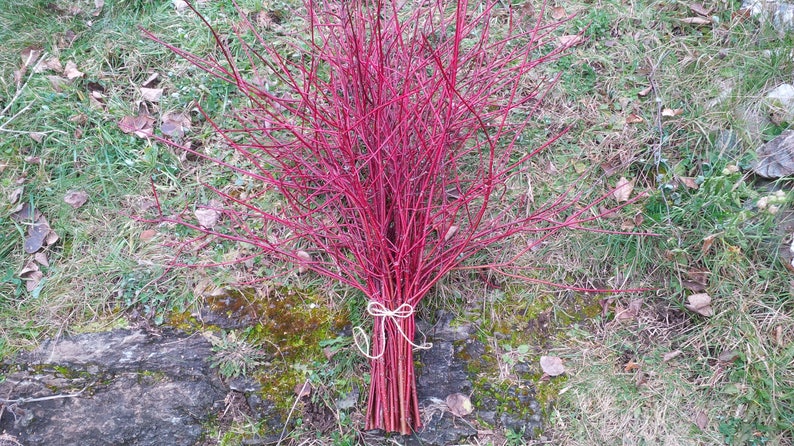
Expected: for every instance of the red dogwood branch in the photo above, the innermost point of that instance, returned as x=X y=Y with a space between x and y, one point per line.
x=391 y=136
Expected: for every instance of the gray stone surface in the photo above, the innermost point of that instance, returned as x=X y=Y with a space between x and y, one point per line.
x=124 y=387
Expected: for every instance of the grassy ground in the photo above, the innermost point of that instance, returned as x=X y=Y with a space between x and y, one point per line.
x=675 y=107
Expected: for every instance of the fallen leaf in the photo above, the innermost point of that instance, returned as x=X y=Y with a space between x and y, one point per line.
x=66 y=40
x=672 y=112
x=776 y=157
x=32 y=280
x=669 y=356
x=697 y=287
x=450 y=233
x=151 y=94
x=701 y=419
x=75 y=198
x=634 y=119
x=552 y=365
x=558 y=13
x=631 y=312
x=707 y=242
x=689 y=182
x=13 y=197
x=52 y=237
x=41 y=258
x=305 y=257
x=207 y=218
x=98 y=4
x=645 y=92
x=150 y=81
x=701 y=304
x=37 y=136
x=32 y=159
x=71 y=71
x=25 y=213
x=30 y=55
x=631 y=366
x=459 y=404
x=696 y=21
x=180 y=5
x=147 y=235
x=623 y=190
x=141 y=125
x=37 y=235
x=174 y=124
x=303 y=390
x=570 y=40
x=698 y=8
x=51 y=64
x=18 y=77
x=728 y=356
x=29 y=267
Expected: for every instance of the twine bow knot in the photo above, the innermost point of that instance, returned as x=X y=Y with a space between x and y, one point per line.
x=377 y=309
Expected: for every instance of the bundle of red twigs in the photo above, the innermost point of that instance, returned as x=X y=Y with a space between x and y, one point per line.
x=390 y=132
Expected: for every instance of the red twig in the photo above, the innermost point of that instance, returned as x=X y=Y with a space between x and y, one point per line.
x=391 y=138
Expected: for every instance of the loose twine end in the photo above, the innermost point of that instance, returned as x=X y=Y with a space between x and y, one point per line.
x=377 y=309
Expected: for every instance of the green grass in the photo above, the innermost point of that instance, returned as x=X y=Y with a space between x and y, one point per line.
x=619 y=387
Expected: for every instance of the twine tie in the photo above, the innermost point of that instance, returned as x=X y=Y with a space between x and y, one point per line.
x=377 y=309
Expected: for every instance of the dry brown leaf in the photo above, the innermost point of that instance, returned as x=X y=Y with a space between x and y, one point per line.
x=669 y=356
x=672 y=112
x=700 y=303
x=631 y=366
x=51 y=64
x=306 y=258
x=207 y=218
x=459 y=404
x=75 y=198
x=450 y=233
x=303 y=390
x=180 y=5
x=689 y=182
x=29 y=56
x=558 y=13
x=696 y=21
x=147 y=235
x=631 y=312
x=698 y=8
x=644 y=92
x=29 y=267
x=140 y=125
x=728 y=356
x=32 y=280
x=71 y=71
x=52 y=237
x=41 y=258
x=98 y=4
x=634 y=119
x=552 y=365
x=623 y=190
x=569 y=40
x=150 y=81
x=13 y=197
x=37 y=235
x=701 y=419
x=175 y=124
x=707 y=242
x=151 y=94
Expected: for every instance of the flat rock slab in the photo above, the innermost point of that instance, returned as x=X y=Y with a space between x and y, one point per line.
x=128 y=387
